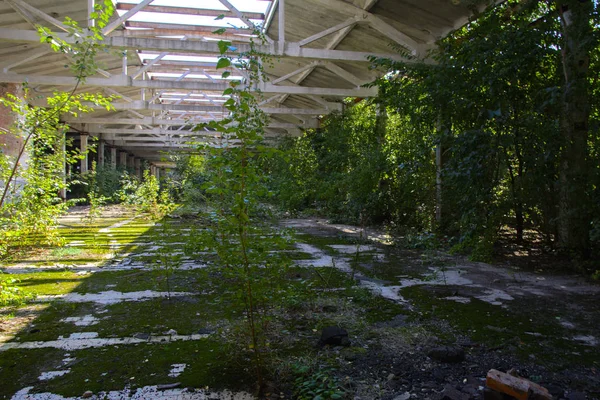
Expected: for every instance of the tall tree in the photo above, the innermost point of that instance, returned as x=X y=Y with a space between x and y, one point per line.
x=578 y=43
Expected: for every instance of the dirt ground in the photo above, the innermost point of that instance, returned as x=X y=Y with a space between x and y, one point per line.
x=542 y=325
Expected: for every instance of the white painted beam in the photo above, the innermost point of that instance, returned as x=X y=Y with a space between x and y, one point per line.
x=115 y=24
x=34 y=11
x=125 y=81
x=312 y=65
x=149 y=65
x=376 y=23
x=357 y=92
x=238 y=14
x=140 y=105
x=329 y=31
x=311 y=123
x=190 y=11
x=164 y=146
x=342 y=73
x=292 y=49
x=233 y=36
x=26 y=57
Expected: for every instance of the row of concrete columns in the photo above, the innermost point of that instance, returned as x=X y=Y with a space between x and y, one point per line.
x=125 y=159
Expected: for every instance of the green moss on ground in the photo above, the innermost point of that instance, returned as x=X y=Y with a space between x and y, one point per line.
x=518 y=327
x=209 y=363
x=48 y=282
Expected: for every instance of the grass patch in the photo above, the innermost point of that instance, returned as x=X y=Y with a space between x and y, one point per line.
x=66 y=252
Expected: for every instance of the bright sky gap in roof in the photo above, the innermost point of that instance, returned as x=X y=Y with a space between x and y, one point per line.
x=193 y=20
x=256 y=6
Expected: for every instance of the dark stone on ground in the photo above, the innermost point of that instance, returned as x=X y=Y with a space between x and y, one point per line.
x=396 y=322
x=471 y=390
x=450 y=393
x=335 y=336
x=168 y=386
x=439 y=374
x=576 y=396
x=555 y=390
x=403 y=396
x=330 y=309
x=466 y=342
x=205 y=331
x=142 y=336
x=447 y=354
x=489 y=394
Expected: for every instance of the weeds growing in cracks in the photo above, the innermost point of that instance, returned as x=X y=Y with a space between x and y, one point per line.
x=166 y=263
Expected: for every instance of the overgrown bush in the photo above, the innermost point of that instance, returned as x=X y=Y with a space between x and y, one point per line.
x=30 y=203
x=11 y=294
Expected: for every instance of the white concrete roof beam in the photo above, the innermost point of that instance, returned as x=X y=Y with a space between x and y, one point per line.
x=162 y=85
x=149 y=65
x=115 y=24
x=342 y=73
x=349 y=22
x=31 y=55
x=312 y=65
x=36 y=13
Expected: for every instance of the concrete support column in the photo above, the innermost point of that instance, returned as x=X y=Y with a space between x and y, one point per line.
x=63 y=191
x=131 y=162
x=123 y=159
x=138 y=167
x=10 y=143
x=113 y=157
x=101 y=153
x=438 y=184
x=84 y=152
x=439 y=165
x=281 y=36
x=124 y=66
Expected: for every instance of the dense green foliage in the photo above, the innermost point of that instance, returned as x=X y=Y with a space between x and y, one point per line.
x=498 y=105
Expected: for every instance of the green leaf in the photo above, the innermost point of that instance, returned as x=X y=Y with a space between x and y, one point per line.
x=219 y=31
x=225 y=74
x=223 y=63
x=220 y=16
x=223 y=46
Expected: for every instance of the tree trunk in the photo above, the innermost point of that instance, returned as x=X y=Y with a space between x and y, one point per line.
x=573 y=221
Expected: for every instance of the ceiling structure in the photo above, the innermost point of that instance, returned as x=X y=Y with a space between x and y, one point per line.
x=164 y=65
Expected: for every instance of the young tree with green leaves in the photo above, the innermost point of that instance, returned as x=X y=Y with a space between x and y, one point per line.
x=33 y=208
x=239 y=229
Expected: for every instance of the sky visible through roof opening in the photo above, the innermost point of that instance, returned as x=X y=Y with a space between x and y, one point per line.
x=154 y=18
x=254 y=6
